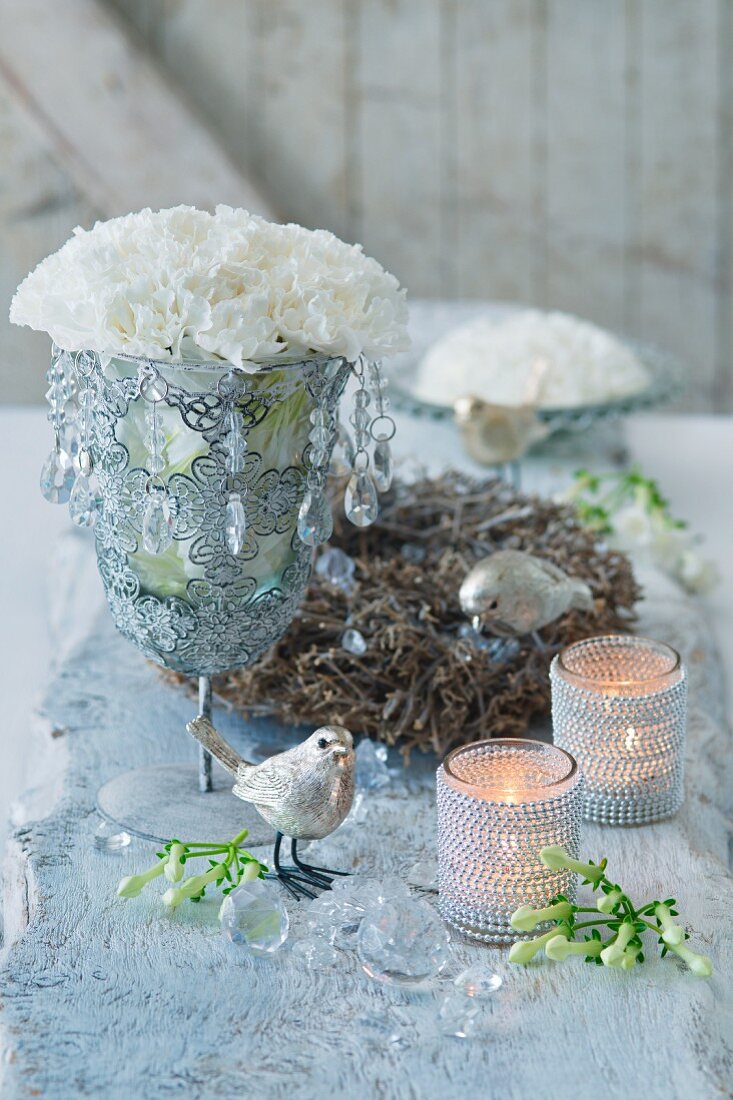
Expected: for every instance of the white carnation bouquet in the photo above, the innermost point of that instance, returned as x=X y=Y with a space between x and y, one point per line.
x=186 y=284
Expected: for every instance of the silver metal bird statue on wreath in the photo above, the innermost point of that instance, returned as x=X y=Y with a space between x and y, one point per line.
x=304 y=794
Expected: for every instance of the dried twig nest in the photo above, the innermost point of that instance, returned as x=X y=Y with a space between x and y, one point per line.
x=419 y=683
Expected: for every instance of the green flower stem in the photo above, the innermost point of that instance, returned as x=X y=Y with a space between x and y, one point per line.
x=590 y=924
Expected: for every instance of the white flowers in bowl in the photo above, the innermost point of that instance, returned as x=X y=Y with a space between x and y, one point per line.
x=186 y=284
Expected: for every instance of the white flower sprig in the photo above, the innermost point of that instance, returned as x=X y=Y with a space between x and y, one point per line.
x=229 y=864
x=629 y=509
x=614 y=910
x=186 y=284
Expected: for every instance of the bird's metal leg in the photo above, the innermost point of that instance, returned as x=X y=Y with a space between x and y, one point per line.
x=286 y=876
x=316 y=875
x=538 y=641
x=318 y=872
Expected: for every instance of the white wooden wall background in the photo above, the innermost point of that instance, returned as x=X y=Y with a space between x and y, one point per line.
x=569 y=153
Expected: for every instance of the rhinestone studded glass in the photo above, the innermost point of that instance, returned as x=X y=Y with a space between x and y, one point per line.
x=499 y=803
x=619 y=705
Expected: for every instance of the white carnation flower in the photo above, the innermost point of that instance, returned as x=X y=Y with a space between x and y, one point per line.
x=183 y=283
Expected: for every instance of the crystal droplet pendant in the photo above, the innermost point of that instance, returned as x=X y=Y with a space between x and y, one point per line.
x=315 y=522
x=157 y=523
x=383 y=465
x=235 y=523
x=84 y=502
x=360 y=500
x=57 y=477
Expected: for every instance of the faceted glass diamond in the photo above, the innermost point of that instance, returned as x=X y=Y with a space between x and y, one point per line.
x=457 y=1015
x=236 y=523
x=360 y=500
x=317 y=954
x=424 y=874
x=402 y=943
x=478 y=981
x=253 y=916
x=109 y=837
x=372 y=773
x=57 y=477
x=336 y=567
x=315 y=522
x=353 y=641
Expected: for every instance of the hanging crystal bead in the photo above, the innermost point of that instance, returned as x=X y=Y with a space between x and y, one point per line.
x=360 y=500
x=315 y=522
x=157 y=522
x=155 y=439
x=235 y=443
x=235 y=523
x=57 y=476
x=84 y=501
x=347 y=446
x=383 y=465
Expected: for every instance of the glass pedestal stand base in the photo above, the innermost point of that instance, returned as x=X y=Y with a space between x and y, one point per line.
x=186 y=801
x=164 y=801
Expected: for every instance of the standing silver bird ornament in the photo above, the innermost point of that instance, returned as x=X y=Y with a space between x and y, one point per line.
x=304 y=794
x=512 y=593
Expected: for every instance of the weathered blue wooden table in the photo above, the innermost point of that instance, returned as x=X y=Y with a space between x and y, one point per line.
x=105 y=998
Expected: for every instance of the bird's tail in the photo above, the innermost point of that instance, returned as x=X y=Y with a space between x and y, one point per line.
x=202 y=729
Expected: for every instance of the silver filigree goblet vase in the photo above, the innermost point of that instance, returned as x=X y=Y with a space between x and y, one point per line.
x=205 y=487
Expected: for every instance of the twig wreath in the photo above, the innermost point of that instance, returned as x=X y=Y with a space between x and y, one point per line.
x=425 y=679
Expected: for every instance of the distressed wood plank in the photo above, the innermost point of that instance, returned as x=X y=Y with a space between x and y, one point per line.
x=677 y=245
x=586 y=160
x=499 y=150
x=124 y=136
x=399 y=89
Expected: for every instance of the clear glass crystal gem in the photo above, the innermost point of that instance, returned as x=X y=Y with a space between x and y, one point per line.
x=236 y=523
x=361 y=399
x=457 y=1016
x=319 y=436
x=84 y=501
x=157 y=523
x=372 y=773
x=315 y=522
x=402 y=943
x=254 y=916
x=84 y=462
x=336 y=567
x=109 y=837
x=383 y=465
x=353 y=641
x=424 y=874
x=478 y=981
x=360 y=419
x=337 y=918
x=57 y=477
x=360 y=500
x=317 y=954
x=346 y=444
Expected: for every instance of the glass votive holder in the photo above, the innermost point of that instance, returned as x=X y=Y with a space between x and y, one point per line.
x=619 y=705
x=499 y=803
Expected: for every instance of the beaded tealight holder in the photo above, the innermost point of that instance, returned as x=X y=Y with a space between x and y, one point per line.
x=619 y=704
x=500 y=803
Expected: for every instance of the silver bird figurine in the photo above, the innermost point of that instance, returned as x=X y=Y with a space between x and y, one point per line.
x=304 y=793
x=512 y=593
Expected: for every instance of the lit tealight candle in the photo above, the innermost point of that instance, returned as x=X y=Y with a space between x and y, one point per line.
x=619 y=704
x=499 y=803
